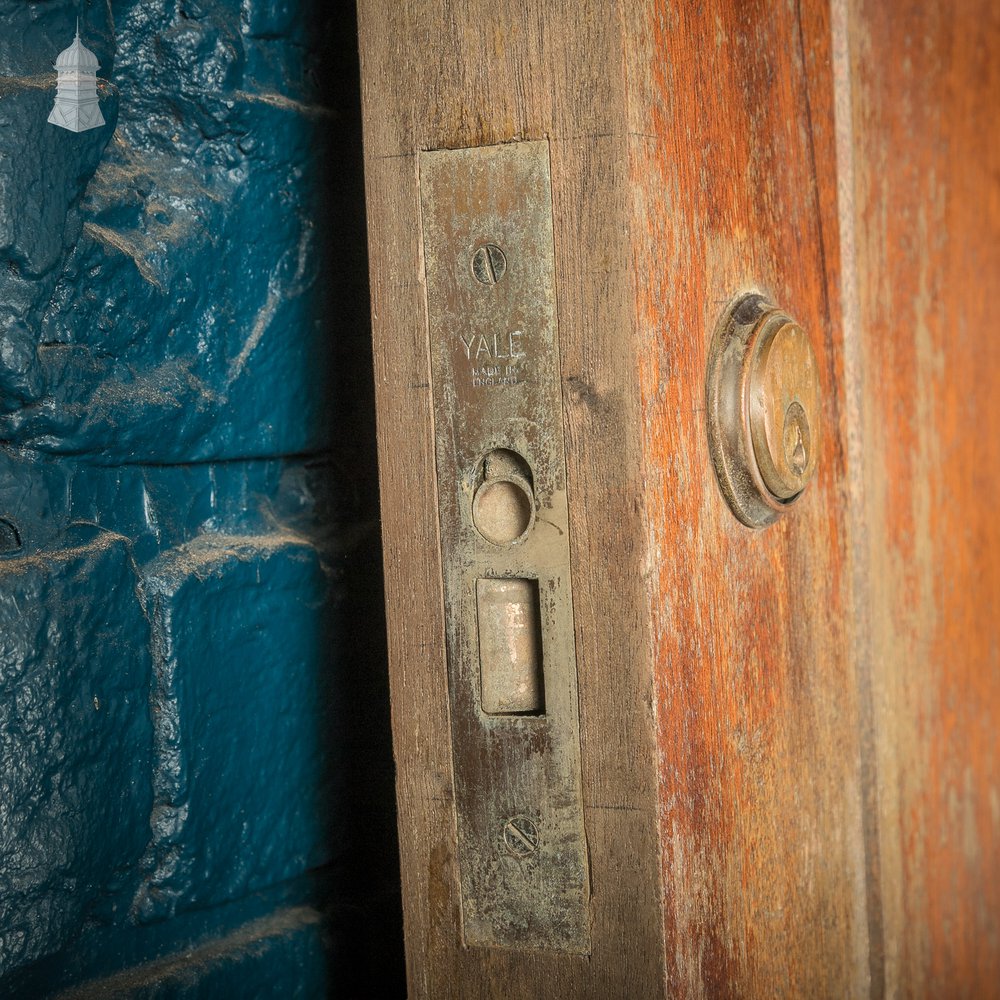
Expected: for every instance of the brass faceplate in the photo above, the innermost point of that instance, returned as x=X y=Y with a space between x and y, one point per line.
x=491 y=311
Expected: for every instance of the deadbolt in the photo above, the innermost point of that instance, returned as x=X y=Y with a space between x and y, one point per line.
x=763 y=396
x=512 y=678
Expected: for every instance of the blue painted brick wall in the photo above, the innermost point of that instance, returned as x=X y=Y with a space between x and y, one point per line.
x=76 y=743
x=195 y=772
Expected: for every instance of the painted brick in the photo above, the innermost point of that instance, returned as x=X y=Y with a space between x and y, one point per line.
x=75 y=743
x=239 y=711
x=183 y=316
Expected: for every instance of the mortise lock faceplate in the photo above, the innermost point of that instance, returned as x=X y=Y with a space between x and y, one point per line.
x=488 y=252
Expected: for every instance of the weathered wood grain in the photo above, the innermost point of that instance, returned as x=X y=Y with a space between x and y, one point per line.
x=921 y=165
x=734 y=187
x=448 y=75
x=693 y=156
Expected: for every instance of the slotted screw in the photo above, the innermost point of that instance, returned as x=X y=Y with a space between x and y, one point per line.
x=489 y=264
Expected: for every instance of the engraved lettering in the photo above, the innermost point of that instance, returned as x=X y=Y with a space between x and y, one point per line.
x=501 y=346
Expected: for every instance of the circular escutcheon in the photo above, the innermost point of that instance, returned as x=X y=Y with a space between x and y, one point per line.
x=764 y=409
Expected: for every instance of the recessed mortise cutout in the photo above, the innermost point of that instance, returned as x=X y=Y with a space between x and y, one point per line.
x=503 y=512
x=510 y=647
x=503 y=506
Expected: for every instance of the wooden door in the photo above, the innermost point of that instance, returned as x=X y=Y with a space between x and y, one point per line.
x=787 y=753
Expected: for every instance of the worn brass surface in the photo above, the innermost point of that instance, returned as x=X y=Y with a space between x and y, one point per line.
x=510 y=647
x=784 y=408
x=495 y=378
x=764 y=409
x=503 y=505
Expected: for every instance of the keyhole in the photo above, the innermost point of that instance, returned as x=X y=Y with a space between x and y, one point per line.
x=796 y=438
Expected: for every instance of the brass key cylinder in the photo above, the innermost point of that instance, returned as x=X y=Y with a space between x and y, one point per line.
x=764 y=409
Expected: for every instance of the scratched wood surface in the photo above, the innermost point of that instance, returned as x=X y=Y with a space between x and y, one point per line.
x=734 y=185
x=924 y=204
x=439 y=74
x=693 y=156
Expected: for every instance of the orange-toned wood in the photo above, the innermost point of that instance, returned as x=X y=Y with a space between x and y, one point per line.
x=692 y=156
x=734 y=186
x=921 y=167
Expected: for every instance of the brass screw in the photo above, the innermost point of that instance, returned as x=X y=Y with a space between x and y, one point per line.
x=489 y=264
x=520 y=836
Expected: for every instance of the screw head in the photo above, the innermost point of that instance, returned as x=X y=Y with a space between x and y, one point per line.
x=784 y=408
x=489 y=264
x=520 y=836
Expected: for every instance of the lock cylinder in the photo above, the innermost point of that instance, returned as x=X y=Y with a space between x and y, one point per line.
x=764 y=409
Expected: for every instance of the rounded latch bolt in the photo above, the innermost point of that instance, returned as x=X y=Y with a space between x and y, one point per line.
x=764 y=409
x=503 y=505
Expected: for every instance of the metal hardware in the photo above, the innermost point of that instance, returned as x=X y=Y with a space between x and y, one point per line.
x=501 y=477
x=764 y=409
x=489 y=264
x=520 y=837
x=503 y=506
x=510 y=647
